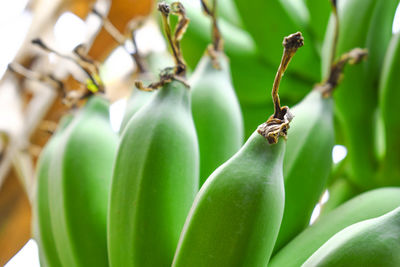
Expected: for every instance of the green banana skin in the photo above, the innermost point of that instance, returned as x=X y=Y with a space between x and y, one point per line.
x=42 y=220
x=137 y=99
x=374 y=242
x=307 y=162
x=389 y=96
x=361 y=81
x=155 y=181
x=363 y=207
x=79 y=186
x=215 y=109
x=235 y=217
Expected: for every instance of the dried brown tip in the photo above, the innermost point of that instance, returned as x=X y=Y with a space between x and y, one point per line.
x=293 y=41
x=273 y=128
x=164 y=8
x=178 y=72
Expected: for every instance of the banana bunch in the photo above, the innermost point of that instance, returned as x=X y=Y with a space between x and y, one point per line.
x=179 y=188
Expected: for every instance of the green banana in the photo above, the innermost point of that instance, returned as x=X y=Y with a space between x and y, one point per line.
x=42 y=220
x=241 y=203
x=156 y=169
x=235 y=217
x=212 y=88
x=352 y=115
x=80 y=174
x=155 y=180
x=389 y=95
x=307 y=162
x=365 y=206
x=215 y=109
x=373 y=242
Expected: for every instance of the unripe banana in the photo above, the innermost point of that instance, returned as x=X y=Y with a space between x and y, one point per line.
x=156 y=170
x=215 y=109
x=389 y=96
x=235 y=218
x=374 y=242
x=42 y=219
x=365 y=206
x=79 y=186
x=307 y=162
x=155 y=181
x=215 y=106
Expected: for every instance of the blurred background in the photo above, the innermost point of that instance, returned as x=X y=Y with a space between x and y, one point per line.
x=29 y=110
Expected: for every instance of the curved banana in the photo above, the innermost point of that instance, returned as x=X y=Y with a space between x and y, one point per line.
x=156 y=172
x=155 y=180
x=241 y=204
x=215 y=106
x=365 y=206
x=79 y=186
x=235 y=218
x=307 y=162
x=374 y=242
x=215 y=109
x=389 y=96
x=42 y=219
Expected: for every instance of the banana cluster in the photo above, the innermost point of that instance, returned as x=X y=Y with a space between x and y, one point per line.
x=180 y=187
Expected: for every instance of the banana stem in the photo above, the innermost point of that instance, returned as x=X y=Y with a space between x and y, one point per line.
x=218 y=43
x=278 y=124
x=177 y=9
x=355 y=56
x=336 y=32
x=290 y=43
x=46 y=79
x=87 y=65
